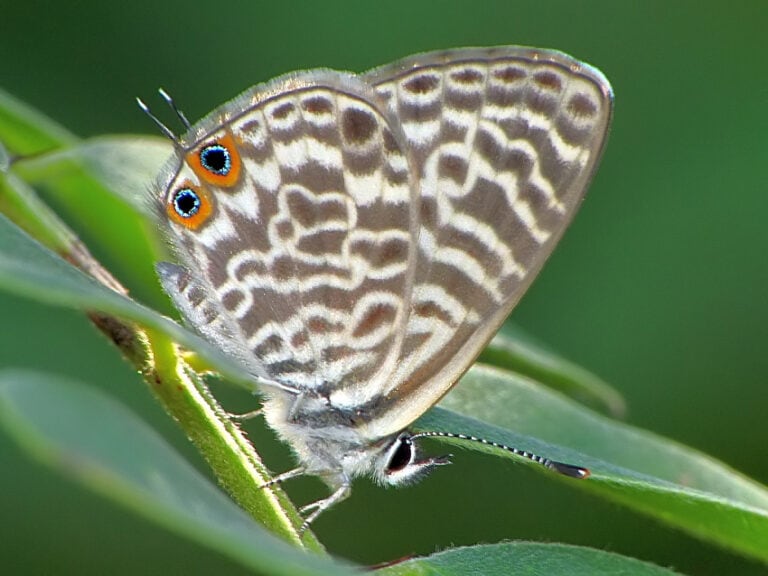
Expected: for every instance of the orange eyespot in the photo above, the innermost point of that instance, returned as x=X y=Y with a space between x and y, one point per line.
x=189 y=206
x=216 y=162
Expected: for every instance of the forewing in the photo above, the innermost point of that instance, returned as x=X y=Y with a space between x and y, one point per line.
x=504 y=142
x=301 y=270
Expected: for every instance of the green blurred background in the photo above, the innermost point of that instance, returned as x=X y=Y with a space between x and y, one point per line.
x=660 y=286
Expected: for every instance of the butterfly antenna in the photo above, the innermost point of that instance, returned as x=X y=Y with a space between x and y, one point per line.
x=172 y=104
x=569 y=470
x=163 y=128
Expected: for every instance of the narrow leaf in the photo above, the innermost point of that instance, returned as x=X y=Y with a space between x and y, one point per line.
x=514 y=350
x=25 y=130
x=30 y=270
x=654 y=475
x=524 y=558
x=89 y=437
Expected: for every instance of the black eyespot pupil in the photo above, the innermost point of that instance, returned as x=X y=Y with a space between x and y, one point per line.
x=401 y=458
x=215 y=158
x=186 y=202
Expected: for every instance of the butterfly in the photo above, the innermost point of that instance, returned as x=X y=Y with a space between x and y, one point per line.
x=354 y=241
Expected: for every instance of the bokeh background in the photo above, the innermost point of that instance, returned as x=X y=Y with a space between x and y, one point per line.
x=660 y=286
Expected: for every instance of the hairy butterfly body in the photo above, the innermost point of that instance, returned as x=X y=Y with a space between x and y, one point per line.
x=354 y=241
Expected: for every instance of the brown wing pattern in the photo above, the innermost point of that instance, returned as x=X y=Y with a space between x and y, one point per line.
x=302 y=269
x=374 y=232
x=504 y=142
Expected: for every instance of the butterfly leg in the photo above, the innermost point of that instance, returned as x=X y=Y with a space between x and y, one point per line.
x=322 y=505
x=245 y=416
x=284 y=476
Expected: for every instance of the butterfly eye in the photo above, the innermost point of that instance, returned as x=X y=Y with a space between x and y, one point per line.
x=401 y=457
x=215 y=158
x=216 y=162
x=400 y=463
x=189 y=207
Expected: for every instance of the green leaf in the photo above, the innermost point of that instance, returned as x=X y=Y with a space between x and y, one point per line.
x=5 y=158
x=19 y=202
x=524 y=558
x=121 y=166
x=89 y=437
x=651 y=474
x=513 y=349
x=90 y=182
x=30 y=270
x=81 y=182
x=26 y=131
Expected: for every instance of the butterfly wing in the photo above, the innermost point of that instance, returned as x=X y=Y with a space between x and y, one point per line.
x=504 y=142
x=378 y=230
x=300 y=263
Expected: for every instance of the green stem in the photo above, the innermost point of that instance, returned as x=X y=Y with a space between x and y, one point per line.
x=238 y=467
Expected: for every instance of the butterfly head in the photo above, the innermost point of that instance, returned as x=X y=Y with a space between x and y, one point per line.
x=401 y=463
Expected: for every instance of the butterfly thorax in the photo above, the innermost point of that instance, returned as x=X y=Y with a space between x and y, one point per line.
x=330 y=441
x=334 y=443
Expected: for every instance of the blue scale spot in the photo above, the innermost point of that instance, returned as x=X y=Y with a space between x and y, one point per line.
x=186 y=202
x=215 y=158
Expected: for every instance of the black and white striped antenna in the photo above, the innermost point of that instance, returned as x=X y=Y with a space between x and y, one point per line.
x=163 y=127
x=569 y=470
